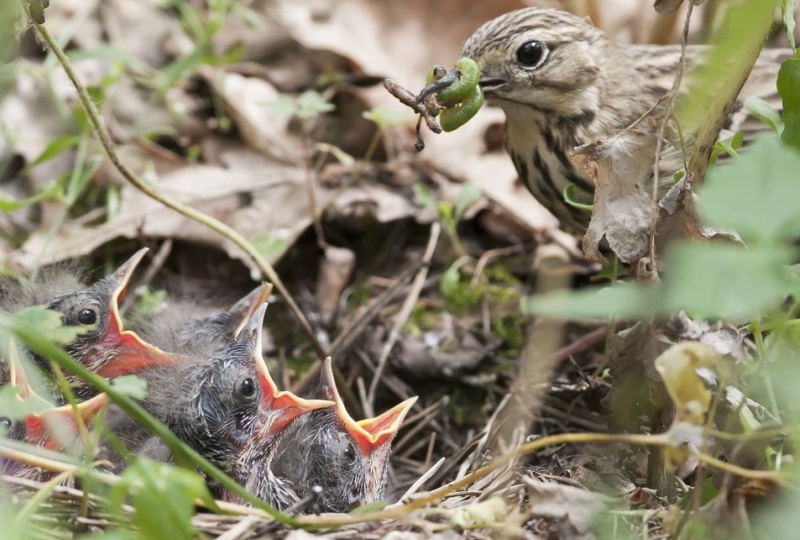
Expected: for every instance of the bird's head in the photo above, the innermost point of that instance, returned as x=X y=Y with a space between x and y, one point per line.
x=546 y=59
x=359 y=456
x=105 y=346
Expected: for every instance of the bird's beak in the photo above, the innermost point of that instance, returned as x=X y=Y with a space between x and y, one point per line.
x=54 y=427
x=57 y=427
x=284 y=406
x=243 y=310
x=132 y=353
x=372 y=432
x=491 y=86
x=385 y=426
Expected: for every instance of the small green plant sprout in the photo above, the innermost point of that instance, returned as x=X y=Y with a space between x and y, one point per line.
x=307 y=106
x=450 y=214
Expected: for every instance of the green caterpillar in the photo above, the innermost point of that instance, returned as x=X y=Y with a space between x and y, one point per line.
x=462 y=98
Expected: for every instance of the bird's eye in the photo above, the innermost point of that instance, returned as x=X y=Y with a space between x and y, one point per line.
x=350 y=453
x=532 y=53
x=5 y=422
x=247 y=389
x=87 y=316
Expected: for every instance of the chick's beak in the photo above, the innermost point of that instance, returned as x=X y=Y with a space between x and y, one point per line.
x=131 y=353
x=371 y=433
x=283 y=406
x=57 y=427
x=385 y=426
x=243 y=310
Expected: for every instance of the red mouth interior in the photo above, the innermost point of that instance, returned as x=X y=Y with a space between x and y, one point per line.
x=131 y=353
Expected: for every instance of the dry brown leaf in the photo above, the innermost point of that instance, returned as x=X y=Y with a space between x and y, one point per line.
x=336 y=267
x=577 y=509
x=248 y=192
x=622 y=213
x=247 y=101
x=139 y=28
x=440 y=353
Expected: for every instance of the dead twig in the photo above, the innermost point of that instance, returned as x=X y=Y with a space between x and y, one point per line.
x=403 y=315
x=676 y=84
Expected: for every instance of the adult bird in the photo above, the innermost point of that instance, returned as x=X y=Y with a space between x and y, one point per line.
x=104 y=346
x=330 y=458
x=563 y=83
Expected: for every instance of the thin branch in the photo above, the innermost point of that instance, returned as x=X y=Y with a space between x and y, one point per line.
x=676 y=84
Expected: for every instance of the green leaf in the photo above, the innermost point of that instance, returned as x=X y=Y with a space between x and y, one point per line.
x=726 y=281
x=467 y=196
x=15 y=408
x=251 y=18
x=789 y=89
x=750 y=194
x=56 y=146
x=48 y=191
x=621 y=301
x=271 y=246
x=311 y=104
x=374 y=506
x=131 y=386
x=178 y=69
x=612 y=271
x=109 y=52
x=164 y=502
x=341 y=156
x=723 y=281
x=15 y=23
x=737 y=38
x=729 y=146
x=787 y=11
x=148 y=303
x=425 y=195
x=569 y=198
x=80 y=178
x=49 y=324
x=765 y=112
x=451 y=279
x=282 y=104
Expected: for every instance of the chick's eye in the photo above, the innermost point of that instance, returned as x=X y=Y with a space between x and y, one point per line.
x=247 y=389
x=5 y=422
x=531 y=53
x=87 y=316
x=350 y=453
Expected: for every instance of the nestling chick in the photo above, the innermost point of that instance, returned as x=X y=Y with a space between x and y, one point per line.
x=106 y=347
x=347 y=460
